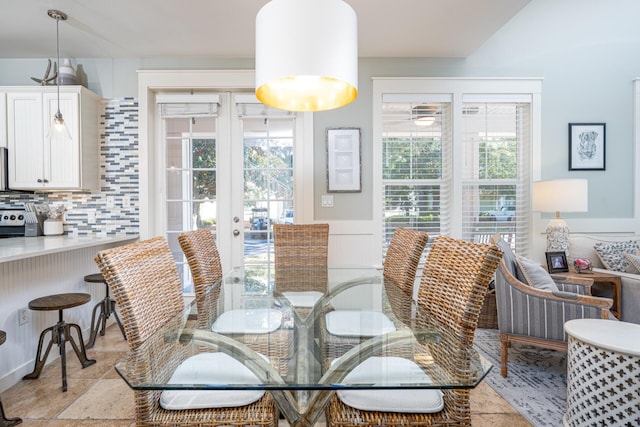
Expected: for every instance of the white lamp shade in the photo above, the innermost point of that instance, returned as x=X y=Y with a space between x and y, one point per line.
x=561 y=195
x=306 y=54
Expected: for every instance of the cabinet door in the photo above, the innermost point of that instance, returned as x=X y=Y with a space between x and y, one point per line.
x=61 y=150
x=24 y=130
x=3 y=119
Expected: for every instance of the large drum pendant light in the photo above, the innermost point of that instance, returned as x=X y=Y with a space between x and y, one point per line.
x=306 y=54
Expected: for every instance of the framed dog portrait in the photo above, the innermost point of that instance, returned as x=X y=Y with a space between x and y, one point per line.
x=587 y=146
x=557 y=262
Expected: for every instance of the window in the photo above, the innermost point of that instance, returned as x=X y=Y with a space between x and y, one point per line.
x=453 y=157
x=495 y=175
x=416 y=142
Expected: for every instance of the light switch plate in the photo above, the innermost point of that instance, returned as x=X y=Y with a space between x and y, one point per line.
x=327 y=201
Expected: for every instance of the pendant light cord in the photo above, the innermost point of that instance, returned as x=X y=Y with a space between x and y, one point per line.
x=57 y=15
x=58 y=64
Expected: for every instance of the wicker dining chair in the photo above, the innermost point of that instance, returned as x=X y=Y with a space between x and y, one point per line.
x=300 y=253
x=403 y=256
x=452 y=288
x=146 y=285
x=200 y=249
x=400 y=266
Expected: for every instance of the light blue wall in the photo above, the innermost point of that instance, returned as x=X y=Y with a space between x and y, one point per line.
x=587 y=52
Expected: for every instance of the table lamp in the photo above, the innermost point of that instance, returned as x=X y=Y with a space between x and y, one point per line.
x=560 y=195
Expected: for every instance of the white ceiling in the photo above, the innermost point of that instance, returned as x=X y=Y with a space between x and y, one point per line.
x=225 y=28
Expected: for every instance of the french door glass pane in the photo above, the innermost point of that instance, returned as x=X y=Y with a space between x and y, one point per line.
x=268 y=183
x=190 y=181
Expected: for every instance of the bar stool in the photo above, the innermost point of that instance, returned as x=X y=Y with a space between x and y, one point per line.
x=60 y=333
x=4 y=421
x=107 y=307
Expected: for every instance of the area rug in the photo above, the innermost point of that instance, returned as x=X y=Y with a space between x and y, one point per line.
x=536 y=384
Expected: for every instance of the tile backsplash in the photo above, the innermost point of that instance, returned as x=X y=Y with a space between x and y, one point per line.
x=114 y=210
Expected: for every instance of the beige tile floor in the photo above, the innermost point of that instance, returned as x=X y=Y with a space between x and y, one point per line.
x=97 y=396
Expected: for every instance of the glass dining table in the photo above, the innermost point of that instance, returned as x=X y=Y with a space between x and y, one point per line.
x=277 y=328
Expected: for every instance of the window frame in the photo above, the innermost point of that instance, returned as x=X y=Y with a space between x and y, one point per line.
x=456 y=88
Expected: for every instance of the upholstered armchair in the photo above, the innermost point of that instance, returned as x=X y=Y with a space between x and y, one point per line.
x=533 y=305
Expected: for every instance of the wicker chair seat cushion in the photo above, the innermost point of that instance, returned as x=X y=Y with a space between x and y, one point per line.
x=358 y=323
x=248 y=321
x=391 y=370
x=210 y=368
x=303 y=299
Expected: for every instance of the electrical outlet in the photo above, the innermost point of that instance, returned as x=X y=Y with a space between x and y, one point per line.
x=327 y=201
x=126 y=201
x=111 y=202
x=23 y=316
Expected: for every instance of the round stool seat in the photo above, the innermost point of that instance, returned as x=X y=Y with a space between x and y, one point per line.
x=59 y=301
x=60 y=333
x=3 y=337
x=95 y=278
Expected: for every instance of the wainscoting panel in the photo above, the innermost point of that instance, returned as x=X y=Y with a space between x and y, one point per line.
x=352 y=243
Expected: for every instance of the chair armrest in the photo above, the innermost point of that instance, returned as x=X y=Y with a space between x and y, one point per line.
x=560 y=295
x=583 y=283
x=520 y=308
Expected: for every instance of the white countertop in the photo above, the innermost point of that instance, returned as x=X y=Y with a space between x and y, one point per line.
x=16 y=248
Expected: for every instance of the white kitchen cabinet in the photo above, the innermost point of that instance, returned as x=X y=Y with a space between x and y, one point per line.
x=3 y=119
x=40 y=161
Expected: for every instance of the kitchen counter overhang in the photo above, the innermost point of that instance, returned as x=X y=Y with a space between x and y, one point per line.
x=17 y=248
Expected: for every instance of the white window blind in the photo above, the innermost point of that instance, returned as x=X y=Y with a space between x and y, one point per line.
x=495 y=177
x=248 y=106
x=416 y=145
x=188 y=105
x=466 y=172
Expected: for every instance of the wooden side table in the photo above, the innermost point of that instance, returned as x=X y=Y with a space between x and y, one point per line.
x=603 y=366
x=614 y=281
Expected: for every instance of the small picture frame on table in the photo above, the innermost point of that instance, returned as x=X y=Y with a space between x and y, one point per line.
x=557 y=262
x=587 y=146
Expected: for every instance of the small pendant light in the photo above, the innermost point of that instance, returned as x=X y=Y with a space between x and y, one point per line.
x=306 y=54
x=58 y=125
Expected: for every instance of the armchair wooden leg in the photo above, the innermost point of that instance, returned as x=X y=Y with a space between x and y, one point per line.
x=504 y=353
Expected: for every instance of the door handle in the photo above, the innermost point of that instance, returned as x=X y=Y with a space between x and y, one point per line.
x=236 y=232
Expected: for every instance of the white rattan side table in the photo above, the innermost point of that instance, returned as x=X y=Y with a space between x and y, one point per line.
x=603 y=373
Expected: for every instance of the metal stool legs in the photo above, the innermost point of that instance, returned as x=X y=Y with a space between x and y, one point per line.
x=107 y=307
x=60 y=334
x=7 y=422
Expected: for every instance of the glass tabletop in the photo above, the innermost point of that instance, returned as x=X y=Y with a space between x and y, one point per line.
x=303 y=331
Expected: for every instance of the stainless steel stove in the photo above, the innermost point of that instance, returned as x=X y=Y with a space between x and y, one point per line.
x=12 y=222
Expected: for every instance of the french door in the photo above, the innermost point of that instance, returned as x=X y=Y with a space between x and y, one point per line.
x=228 y=166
